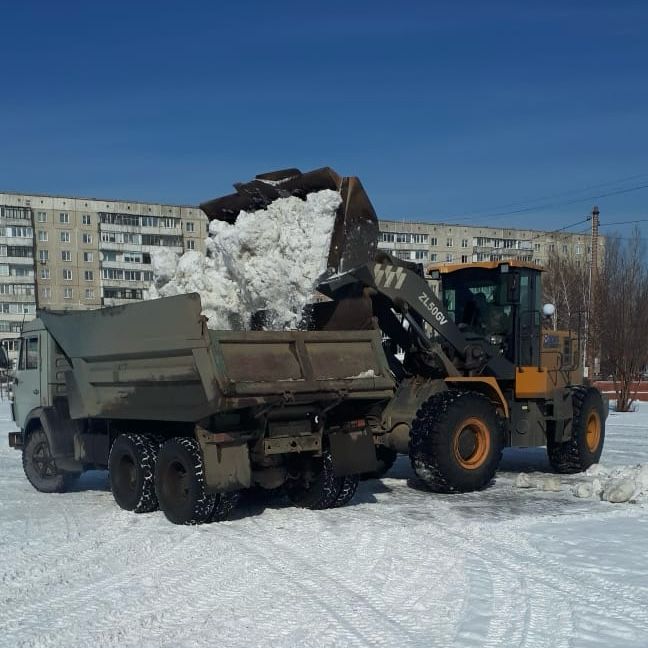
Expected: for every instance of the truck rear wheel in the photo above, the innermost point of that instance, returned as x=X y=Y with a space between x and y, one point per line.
x=131 y=467
x=39 y=465
x=385 y=458
x=585 y=445
x=180 y=483
x=456 y=442
x=224 y=504
x=347 y=490
x=317 y=487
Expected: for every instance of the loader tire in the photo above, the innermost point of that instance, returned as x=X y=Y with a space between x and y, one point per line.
x=224 y=504
x=347 y=490
x=456 y=442
x=131 y=467
x=180 y=483
x=321 y=488
x=585 y=444
x=40 y=467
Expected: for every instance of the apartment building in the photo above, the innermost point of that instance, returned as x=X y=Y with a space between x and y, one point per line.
x=76 y=253
x=446 y=243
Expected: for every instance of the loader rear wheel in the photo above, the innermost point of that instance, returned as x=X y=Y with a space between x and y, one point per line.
x=585 y=444
x=456 y=442
x=347 y=490
x=180 y=483
x=317 y=487
x=39 y=465
x=131 y=467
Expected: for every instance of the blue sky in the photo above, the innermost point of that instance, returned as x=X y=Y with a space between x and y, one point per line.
x=455 y=111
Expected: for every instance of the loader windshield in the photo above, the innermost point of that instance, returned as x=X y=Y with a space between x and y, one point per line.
x=477 y=300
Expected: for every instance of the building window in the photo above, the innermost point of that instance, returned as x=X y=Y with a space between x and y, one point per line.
x=43 y=255
x=64 y=218
x=536 y=247
x=87 y=238
x=388 y=237
x=46 y=292
x=88 y=257
x=189 y=226
x=67 y=275
x=41 y=217
x=42 y=235
x=88 y=275
x=564 y=249
x=464 y=258
x=579 y=248
x=44 y=273
x=132 y=257
x=67 y=293
x=86 y=219
x=65 y=236
x=448 y=258
x=464 y=243
x=191 y=244
x=66 y=255
x=552 y=247
x=420 y=255
x=449 y=242
x=89 y=293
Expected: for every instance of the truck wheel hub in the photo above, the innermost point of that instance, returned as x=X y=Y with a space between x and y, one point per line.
x=42 y=460
x=593 y=432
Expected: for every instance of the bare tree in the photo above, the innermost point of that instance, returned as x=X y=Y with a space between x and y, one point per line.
x=566 y=285
x=621 y=328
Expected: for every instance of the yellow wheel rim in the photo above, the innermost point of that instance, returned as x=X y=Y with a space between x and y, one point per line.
x=593 y=431
x=471 y=443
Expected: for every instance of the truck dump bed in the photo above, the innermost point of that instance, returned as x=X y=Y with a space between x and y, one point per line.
x=157 y=360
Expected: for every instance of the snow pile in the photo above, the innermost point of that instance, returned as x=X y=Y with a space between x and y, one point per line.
x=615 y=485
x=268 y=260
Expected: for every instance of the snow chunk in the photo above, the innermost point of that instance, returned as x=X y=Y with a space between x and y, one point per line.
x=268 y=260
x=523 y=481
x=619 y=490
x=370 y=373
x=551 y=484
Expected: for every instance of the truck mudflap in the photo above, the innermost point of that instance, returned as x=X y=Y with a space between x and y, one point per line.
x=353 y=453
x=15 y=440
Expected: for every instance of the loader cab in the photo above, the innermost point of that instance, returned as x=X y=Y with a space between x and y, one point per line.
x=498 y=301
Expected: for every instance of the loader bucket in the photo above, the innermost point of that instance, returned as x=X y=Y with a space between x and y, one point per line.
x=355 y=233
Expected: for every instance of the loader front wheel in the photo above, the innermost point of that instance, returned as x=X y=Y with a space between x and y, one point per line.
x=39 y=464
x=131 y=466
x=317 y=486
x=456 y=442
x=180 y=483
x=585 y=444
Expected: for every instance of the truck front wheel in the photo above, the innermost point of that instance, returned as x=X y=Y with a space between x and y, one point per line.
x=180 y=483
x=39 y=465
x=131 y=466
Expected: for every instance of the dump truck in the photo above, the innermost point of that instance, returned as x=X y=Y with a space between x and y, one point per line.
x=481 y=369
x=184 y=417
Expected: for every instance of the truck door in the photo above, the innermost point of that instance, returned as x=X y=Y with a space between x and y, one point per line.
x=27 y=380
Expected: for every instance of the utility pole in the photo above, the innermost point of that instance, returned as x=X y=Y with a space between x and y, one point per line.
x=588 y=351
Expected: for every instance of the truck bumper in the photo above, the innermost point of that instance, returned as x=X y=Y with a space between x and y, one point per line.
x=15 y=440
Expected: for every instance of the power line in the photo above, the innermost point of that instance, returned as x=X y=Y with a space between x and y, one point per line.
x=559 y=195
x=630 y=222
x=524 y=210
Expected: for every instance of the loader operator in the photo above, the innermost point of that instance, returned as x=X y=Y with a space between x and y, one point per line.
x=486 y=317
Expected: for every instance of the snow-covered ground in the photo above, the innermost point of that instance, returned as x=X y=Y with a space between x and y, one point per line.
x=398 y=567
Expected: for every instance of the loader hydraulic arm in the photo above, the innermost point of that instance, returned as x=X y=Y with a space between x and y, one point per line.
x=408 y=292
